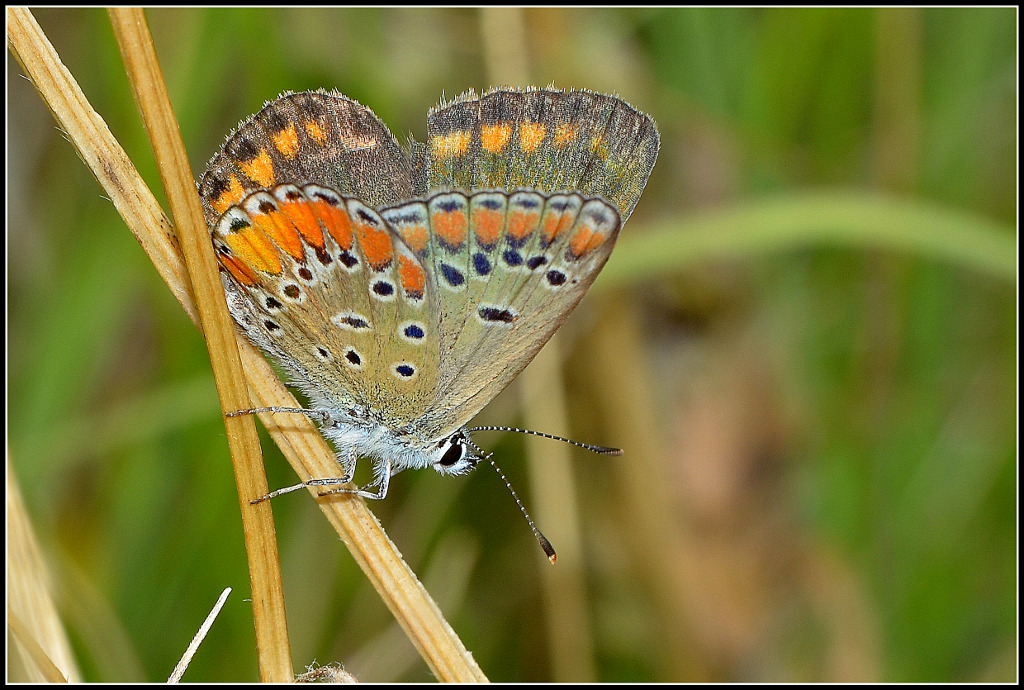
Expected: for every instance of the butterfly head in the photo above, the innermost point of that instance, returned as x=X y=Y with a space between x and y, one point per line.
x=456 y=454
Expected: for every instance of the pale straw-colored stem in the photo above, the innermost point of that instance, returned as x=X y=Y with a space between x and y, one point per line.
x=147 y=82
x=31 y=613
x=304 y=448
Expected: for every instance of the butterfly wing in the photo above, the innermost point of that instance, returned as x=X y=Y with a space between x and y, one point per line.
x=544 y=139
x=315 y=277
x=416 y=316
x=315 y=136
x=511 y=265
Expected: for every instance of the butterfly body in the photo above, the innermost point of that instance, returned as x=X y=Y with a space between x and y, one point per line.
x=403 y=291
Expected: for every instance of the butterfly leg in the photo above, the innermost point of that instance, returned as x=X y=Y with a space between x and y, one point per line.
x=350 y=470
x=322 y=415
x=382 y=485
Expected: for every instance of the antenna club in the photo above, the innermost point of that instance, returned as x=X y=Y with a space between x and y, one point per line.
x=549 y=550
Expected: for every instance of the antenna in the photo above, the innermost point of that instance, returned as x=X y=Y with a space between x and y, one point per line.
x=549 y=550
x=602 y=450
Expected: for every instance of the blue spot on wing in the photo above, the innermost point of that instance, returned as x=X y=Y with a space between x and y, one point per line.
x=452 y=275
x=482 y=264
x=512 y=257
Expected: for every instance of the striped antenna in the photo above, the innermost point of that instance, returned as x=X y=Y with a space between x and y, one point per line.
x=596 y=449
x=549 y=550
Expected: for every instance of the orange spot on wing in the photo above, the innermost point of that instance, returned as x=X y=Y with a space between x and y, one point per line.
x=287 y=141
x=315 y=132
x=450 y=226
x=376 y=245
x=259 y=169
x=254 y=249
x=232 y=195
x=239 y=270
x=303 y=216
x=565 y=134
x=531 y=135
x=585 y=240
x=556 y=223
x=416 y=237
x=596 y=241
x=521 y=224
x=275 y=226
x=336 y=221
x=487 y=225
x=494 y=138
x=445 y=146
x=412 y=275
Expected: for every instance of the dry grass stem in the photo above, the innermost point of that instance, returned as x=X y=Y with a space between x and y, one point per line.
x=302 y=445
x=31 y=613
x=146 y=78
x=186 y=658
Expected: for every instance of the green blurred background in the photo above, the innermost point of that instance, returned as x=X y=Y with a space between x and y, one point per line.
x=805 y=343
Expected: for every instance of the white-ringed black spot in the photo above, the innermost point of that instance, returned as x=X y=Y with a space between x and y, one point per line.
x=271 y=326
x=535 y=262
x=490 y=202
x=556 y=277
x=305 y=274
x=351 y=320
x=324 y=256
x=383 y=288
x=292 y=291
x=448 y=205
x=267 y=207
x=322 y=353
x=272 y=303
x=353 y=358
x=348 y=259
x=404 y=370
x=238 y=223
x=496 y=315
x=327 y=198
x=414 y=331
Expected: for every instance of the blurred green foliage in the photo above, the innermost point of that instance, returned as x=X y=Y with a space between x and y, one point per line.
x=870 y=529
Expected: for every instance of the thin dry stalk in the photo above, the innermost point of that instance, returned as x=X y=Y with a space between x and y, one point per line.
x=147 y=82
x=186 y=658
x=304 y=448
x=31 y=613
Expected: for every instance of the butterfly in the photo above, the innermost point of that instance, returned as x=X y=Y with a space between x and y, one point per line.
x=403 y=288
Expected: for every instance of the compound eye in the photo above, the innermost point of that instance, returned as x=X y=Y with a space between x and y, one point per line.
x=452 y=455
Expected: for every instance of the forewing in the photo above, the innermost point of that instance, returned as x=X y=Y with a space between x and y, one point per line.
x=312 y=137
x=544 y=139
